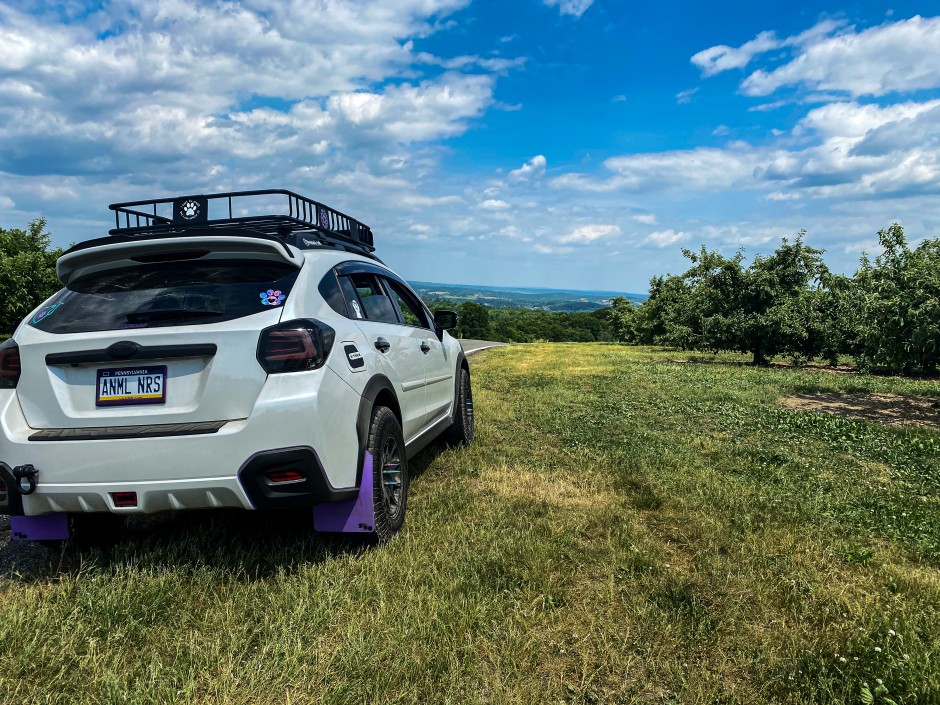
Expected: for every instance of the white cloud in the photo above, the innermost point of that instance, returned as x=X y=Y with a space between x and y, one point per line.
x=722 y=58
x=837 y=150
x=7 y=203
x=646 y=218
x=532 y=169
x=683 y=97
x=663 y=238
x=590 y=233
x=570 y=7
x=895 y=57
x=494 y=204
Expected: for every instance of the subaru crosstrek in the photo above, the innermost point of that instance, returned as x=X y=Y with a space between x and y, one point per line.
x=206 y=358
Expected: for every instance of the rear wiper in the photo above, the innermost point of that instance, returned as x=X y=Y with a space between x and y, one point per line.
x=169 y=314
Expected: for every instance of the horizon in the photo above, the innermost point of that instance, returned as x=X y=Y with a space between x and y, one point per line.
x=578 y=144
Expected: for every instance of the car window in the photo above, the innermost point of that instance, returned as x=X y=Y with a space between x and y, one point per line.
x=352 y=299
x=411 y=310
x=376 y=306
x=162 y=294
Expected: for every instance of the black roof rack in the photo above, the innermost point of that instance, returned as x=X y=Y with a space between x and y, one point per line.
x=306 y=224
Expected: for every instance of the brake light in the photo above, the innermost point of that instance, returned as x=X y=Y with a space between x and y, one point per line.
x=9 y=364
x=295 y=346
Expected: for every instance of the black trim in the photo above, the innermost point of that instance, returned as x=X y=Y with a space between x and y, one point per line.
x=375 y=385
x=129 y=350
x=14 y=505
x=314 y=489
x=99 y=433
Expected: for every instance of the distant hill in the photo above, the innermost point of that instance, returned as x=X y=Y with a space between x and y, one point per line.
x=522 y=297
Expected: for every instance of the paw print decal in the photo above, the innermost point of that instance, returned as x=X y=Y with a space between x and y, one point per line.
x=272 y=297
x=189 y=209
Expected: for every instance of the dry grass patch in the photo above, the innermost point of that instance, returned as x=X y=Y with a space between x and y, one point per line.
x=891 y=409
x=515 y=482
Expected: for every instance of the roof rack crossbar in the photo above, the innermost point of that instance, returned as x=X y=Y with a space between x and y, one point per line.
x=316 y=221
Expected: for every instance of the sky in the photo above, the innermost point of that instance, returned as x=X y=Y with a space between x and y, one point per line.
x=549 y=143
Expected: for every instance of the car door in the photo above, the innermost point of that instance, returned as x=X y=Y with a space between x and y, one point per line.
x=439 y=368
x=378 y=318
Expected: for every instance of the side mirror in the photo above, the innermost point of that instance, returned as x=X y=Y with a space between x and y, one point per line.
x=446 y=320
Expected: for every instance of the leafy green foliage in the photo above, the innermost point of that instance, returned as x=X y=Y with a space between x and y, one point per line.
x=789 y=303
x=524 y=325
x=896 y=306
x=473 y=321
x=27 y=272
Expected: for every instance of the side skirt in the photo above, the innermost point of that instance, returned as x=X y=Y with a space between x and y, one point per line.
x=419 y=442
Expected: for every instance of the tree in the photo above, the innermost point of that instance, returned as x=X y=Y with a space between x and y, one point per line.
x=27 y=272
x=898 y=299
x=473 y=320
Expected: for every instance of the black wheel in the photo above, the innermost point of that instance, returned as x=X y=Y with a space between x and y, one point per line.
x=460 y=432
x=389 y=473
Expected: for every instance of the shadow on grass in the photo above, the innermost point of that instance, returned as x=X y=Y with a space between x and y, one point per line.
x=234 y=543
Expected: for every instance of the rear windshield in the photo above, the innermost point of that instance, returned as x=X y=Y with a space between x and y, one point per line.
x=167 y=294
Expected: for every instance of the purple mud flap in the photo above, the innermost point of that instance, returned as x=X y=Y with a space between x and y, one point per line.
x=356 y=516
x=46 y=527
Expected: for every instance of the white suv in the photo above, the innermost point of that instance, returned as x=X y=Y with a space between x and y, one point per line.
x=207 y=359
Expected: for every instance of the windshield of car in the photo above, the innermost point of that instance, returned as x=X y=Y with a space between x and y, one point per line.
x=167 y=294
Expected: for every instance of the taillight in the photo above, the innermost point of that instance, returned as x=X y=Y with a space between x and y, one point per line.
x=9 y=364
x=295 y=346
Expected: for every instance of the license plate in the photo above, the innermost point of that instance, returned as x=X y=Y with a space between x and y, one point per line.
x=130 y=386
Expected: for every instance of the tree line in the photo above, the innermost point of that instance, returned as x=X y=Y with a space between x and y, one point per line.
x=789 y=304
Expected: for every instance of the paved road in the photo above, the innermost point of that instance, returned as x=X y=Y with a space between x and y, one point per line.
x=475 y=346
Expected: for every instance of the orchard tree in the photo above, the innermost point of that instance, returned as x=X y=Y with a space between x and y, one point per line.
x=27 y=272
x=898 y=297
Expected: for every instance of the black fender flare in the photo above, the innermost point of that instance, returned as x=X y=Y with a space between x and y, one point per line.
x=379 y=383
x=461 y=363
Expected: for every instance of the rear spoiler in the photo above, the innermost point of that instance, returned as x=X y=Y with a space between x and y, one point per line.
x=102 y=252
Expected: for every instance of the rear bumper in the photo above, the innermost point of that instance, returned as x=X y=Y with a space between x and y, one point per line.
x=201 y=471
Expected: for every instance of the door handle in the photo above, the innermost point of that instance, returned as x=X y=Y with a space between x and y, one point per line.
x=382 y=345
x=425 y=347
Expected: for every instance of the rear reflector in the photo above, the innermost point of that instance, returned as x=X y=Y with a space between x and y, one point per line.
x=9 y=364
x=280 y=477
x=124 y=499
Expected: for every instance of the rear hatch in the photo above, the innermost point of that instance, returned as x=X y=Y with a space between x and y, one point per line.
x=153 y=332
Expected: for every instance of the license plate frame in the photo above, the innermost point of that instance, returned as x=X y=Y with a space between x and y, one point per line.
x=132 y=392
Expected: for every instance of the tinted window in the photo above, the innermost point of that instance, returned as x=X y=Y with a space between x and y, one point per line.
x=167 y=294
x=329 y=290
x=411 y=310
x=376 y=306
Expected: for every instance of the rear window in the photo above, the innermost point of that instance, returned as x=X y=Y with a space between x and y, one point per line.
x=167 y=294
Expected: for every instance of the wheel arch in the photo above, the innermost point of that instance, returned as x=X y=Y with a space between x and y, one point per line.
x=378 y=391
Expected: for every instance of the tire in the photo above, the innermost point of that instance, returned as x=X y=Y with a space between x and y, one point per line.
x=460 y=432
x=389 y=473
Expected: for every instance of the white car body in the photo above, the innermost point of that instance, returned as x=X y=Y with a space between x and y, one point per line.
x=223 y=413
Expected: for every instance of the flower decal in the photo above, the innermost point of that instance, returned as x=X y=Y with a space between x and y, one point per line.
x=45 y=312
x=272 y=297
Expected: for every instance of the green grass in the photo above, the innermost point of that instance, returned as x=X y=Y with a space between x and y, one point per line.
x=625 y=529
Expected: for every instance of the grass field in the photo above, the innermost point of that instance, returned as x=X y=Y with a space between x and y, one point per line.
x=625 y=529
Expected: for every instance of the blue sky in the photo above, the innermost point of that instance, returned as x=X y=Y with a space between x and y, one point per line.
x=559 y=143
